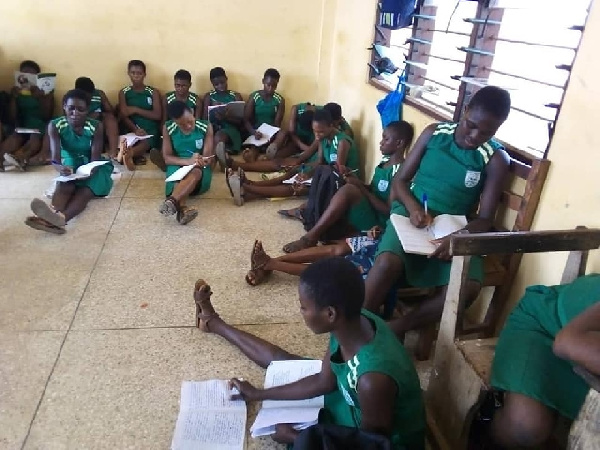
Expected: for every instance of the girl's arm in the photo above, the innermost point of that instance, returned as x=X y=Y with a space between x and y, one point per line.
x=249 y=115
x=280 y=113
x=205 y=105
x=98 y=142
x=153 y=114
x=167 y=151
x=125 y=113
x=107 y=107
x=208 y=147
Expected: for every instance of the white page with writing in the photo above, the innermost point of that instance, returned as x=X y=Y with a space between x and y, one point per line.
x=180 y=173
x=285 y=372
x=414 y=240
x=294 y=179
x=266 y=419
x=83 y=171
x=446 y=224
x=268 y=131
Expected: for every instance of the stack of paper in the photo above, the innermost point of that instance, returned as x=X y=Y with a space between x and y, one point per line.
x=418 y=240
x=82 y=172
x=268 y=131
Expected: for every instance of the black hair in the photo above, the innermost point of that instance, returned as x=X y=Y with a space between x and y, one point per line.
x=335 y=110
x=77 y=94
x=31 y=64
x=136 y=63
x=305 y=120
x=322 y=116
x=183 y=75
x=337 y=283
x=176 y=109
x=493 y=100
x=403 y=130
x=272 y=73
x=85 y=84
x=216 y=72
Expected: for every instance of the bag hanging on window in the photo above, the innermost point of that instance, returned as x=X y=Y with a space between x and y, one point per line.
x=390 y=106
x=396 y=14
x=336 y=437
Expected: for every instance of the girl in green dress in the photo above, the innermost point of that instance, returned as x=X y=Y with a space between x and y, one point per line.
x=186 y=141
x=75 y=140
x=28 y=108
x=338 y=119
x=140 y=113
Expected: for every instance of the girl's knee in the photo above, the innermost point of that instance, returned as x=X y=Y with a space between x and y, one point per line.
x=524 y=422
x=339 y=250
x=388 y=263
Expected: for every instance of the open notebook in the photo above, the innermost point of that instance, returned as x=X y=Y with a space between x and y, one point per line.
x=235 y=108
x=268 y=131
x=82 y=172
x=418 y=240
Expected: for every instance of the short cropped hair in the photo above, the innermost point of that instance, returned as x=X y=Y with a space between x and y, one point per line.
x=493 y=100
x=305 y=120
x=182 y=74
x=402 y=130
x=85 y=84
x=136 y=63
x=217 y=72
x=335 y=110
x=77 y=94
x=31 y=64
x=322 y=116
x=337 y=283
x=176 y=109
x=272 y=73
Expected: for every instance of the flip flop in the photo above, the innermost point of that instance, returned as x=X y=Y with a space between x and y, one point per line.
x=271 y=151
x=228 y=173
x=38 y=223
x=202 y=319
x=168 y=207
x=10 y=159
x=294 y=213
x=236 y=188
x=221 y=154
x=41 y=209
x=185 y=215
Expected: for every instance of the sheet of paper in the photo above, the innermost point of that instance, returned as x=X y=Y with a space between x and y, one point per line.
x=82 y=172
x=268 y=132
x=446 y=224
x=180 y=173
x=236 y=108
x=285 y=372
x=25 y=80
x=133 y=138
x=208 y=394
x=27 y=131
x=266 y=419
x=46 y=82
x=294 y=179
x=414 y=240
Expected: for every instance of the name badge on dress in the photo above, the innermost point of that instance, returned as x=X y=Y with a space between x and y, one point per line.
x=383 y=185
x=472 y=178
x=199 y=143
x=333 y=157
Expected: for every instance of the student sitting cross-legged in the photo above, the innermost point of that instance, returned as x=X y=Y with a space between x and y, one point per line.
x=186 y=141
x=75 y=139
x=103 y=111
x=367 y=378
x=140 y=113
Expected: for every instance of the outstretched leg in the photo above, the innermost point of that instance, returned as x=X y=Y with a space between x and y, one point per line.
x=111 y=129
x=78 y=202
x=385 y=271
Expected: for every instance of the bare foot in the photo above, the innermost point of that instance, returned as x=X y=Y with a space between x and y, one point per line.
x=259 y=258
x=127 y=156
x=205 y=311
x=300 y=244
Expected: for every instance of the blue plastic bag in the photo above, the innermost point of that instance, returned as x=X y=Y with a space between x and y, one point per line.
x=396 y=14
x=390 y=106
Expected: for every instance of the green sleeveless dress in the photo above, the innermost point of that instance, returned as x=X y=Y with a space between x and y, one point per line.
x=306 y=136
x=96 y=102
x=524 y=361
x=453 y=179
x=384 y=354
x=184 y=146
x=29 y=112
x=143 y=99
x=265 y=110
x=346 y=128
x=230 y=129
x=330 y=148
x=191 y=101
x=76 y=150
x=363 y=216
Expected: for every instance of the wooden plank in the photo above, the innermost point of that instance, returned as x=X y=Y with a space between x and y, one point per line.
x=519 y=168
x=512 y=200
x=524 y=242
x=532 y=194
x=479 y=353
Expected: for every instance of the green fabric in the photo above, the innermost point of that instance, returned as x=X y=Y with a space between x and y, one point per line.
x=200 y=188
x=96 y=102
x=330 y=149
x=191 y=101
x=346 y=128
x=524 y=362
x=221 y=98
x=143 y=99
x=306 y=136
x=265 y=110
x=384 y=354
x=230 y=129
x=234 y=136
x=29 y=112
x=185 y=146
x=76 y=150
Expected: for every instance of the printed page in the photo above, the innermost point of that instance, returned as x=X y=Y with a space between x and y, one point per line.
x=446 y=224
x=414 y=240
x=266 y=419
x=180 y=173
x=268 y=132
x=46 y=82
x=285 y=372
x=82 y=172
x=294 y=179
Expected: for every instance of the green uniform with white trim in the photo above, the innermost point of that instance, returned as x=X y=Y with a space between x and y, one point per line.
x=346 y=128
x=386 y=355
x=29 y=112
x=191 y=101
x=185 y=146
x=96 y=102
x=363 y=216
x=330 y=149
x=76 y=150
x=453 y=179
x=265 y=111
x=230 y=129
x=306 y=136
x=143 y=99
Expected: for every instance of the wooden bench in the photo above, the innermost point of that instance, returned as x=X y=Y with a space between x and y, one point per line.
x=460 y=374
x=521 y=196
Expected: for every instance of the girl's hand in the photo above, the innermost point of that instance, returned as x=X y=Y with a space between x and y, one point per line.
x=258 y=134
x=247 y=392
x=419 y=219
x=140 y=132
x=375 y=232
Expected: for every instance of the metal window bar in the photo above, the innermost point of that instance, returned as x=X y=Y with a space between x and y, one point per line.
x=529 y=113
x=439 y=83
x=423 y=17
x=475 y=51
x=483 y=21
x=418 y=41
x=443 y=58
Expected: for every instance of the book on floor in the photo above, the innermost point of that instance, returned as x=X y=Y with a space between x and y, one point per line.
x=301 y=413
x=208 y=418
x=236 y=109
x=82 y=172
x=294 y=179
x=133 y=138
x=180 y=173
x=418 y=240
x=268 y=131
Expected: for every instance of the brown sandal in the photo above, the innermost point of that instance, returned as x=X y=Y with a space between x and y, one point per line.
x=169 y=207
x=202 y=319
x=37 y=223
x=185 y=215
x=257 y=276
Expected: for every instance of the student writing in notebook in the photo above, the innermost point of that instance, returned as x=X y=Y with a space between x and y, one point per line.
x=225 y=125
x=140 y=112
x=186 y=141
x=368 y=379
x=458 y=166
x=263 y=106
x=101 y=110
x=75 y=140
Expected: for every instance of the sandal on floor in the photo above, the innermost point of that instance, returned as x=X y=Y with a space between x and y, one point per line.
x=44 y=211
x=168 y=207
x=236 y=188
x=294 y=213
x=202 y=319
x=185 y=215
x=222 y=157
x=254 y=264
x=38 y=223
x=298 y=245
x=228 y=173
x=257 y=276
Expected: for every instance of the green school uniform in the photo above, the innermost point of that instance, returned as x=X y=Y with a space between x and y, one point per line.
x=96 y=102
x=330 y=149
x=184 y=146
x=453 y=179
x=76 y=150
x=191 y=102
x=29 y=112
x=346 y=128
x=306 y=136
x=143 y=99
x=384 y=354
x=363 y=216
x=230 y=129
x=524 y=361
x=265 y=110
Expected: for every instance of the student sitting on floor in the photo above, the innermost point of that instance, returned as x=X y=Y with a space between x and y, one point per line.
x=140 y=112
x=75 y=139
x=29 y=108
x=457 y=166
x=264 y=106
x=368 y=379
x=103 y=111
x=334 y=148
x=186 y=141
x=338 y=120
x=226 y=127
x=551 y=329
